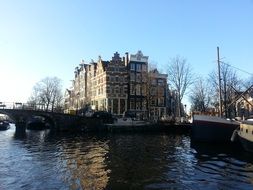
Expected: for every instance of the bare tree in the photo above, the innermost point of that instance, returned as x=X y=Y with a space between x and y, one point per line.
x=48 y=92
x=248 y=82
x=180 y=77
x=229 y=82
x=200 y=96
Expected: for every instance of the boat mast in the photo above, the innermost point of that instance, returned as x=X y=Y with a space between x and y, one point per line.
x=220 y=100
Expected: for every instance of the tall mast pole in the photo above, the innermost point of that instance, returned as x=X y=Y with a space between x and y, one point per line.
x=219 y=78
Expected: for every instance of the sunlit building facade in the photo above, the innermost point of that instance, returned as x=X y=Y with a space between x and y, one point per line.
x=119 y=85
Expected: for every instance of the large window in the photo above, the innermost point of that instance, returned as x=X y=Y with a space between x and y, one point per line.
x=112 y=89
x=153 y=91
x=132 y=105
x=160 y=82
x=138 y=67
x=160 y=91
x=132 y=89
x=132 y=66
x=138 y=105
x=116 y=89
x=138 y=89
x=138 y=77
x=121 y=89
x=160 y=101
x=153 y=102
x=144 y=90
x=108 y=90
x=125 y=89
x=144 y=68
x=132 y=77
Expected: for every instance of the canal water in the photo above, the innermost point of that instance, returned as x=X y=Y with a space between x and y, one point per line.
x=42 y=160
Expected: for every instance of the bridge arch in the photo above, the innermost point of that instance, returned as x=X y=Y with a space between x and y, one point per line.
x=20 y=117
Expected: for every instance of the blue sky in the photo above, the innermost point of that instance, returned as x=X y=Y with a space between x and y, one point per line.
x=40 y=38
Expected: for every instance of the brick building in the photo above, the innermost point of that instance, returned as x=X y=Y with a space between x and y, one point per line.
x=119 y=85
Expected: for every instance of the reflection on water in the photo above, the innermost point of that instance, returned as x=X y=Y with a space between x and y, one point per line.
x=43 y=160
x=229 y=166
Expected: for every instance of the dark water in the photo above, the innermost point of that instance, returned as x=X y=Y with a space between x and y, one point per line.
x=41 y=160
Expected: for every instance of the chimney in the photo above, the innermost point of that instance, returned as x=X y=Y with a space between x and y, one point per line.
x=126 y=59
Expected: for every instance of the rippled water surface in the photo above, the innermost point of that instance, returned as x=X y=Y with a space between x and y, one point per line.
x=42 y=160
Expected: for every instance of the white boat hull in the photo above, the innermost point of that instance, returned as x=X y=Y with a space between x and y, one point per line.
x=128 y=122
x=245 y=135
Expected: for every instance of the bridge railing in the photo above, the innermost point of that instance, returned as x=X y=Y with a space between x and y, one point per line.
x=29 y=106
x=24 y=106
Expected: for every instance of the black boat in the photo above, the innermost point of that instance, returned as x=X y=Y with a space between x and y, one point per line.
x=36 y=123
x=212 y=129
x=4 y=125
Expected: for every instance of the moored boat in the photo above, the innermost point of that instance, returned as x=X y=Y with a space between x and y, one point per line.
x=245 y=135
x=128 y=122
x=36 y=123
x=212 y=128
x=4 y=125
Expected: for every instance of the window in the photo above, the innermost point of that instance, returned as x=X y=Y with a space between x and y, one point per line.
x=132 y=77
x=132 y=66
x=132 y=89
x=138 y=90
x=153 y=91
x=144 y=67
x=138 y=67
x=144 y=90
x=138 y=78
x=121 y=90
x=138 y=105
x=125 y=89
x=112 y=89
x=132 y=104
x=160 y=82
x=116 y=89
x=161 y=91
x=109 y=102
x=108 y=90
x=144 y=78
x=160 y=101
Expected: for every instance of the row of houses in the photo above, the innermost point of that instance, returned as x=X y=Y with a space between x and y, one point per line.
x=120 y=85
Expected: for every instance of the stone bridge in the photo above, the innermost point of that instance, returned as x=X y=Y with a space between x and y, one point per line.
x=57 y=121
